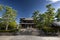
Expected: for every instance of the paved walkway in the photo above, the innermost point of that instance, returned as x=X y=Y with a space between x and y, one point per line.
x=30 y=31
x=20 y=37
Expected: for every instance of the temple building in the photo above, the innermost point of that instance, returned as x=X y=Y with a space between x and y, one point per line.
x=27 y=22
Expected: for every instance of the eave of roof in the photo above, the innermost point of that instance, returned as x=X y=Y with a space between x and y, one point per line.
x=26 y=23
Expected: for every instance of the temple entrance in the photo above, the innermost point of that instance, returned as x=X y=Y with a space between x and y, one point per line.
x=27 y=26
x=29 y=31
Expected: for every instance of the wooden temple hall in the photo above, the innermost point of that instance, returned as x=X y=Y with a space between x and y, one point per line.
x=27 y=22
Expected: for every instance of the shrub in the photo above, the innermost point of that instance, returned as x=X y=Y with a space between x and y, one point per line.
x=9 y=31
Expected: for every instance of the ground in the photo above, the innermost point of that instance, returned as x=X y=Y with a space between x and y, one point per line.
x=29 y=36
x=26 y=37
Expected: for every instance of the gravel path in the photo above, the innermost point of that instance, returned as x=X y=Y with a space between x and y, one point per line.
x=28 y=38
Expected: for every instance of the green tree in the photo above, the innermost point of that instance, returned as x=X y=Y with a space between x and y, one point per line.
x=8 y=16
x=49 y=15
x=41 y=21
x=49 y=18
x=38 y=19
x=44 y=20
x=35 y=17
x=1 y=7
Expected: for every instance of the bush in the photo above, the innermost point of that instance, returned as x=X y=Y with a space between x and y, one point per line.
x=15 y=30
x=9 y=31
x=12 y=25
x=48 y=29
x=4 y=30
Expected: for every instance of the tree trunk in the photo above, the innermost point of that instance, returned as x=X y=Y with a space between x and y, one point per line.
x=7 y=26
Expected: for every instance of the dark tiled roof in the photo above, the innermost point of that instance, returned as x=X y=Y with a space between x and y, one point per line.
x=55 y=23
x=27 y=18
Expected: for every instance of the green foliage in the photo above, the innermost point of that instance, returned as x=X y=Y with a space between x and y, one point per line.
x=44 y=21
x=10 y=31
x=8 y=17
x=49 y=15
x=58 y=15
x=35 y=17
x=47 y=29
x=1 y=7
x=10 y=14
x=12 y=25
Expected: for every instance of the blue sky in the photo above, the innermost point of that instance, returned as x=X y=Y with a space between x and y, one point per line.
x=25 y=8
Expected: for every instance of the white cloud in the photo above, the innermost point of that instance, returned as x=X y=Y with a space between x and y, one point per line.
x=53 y=1
x=0 y=17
